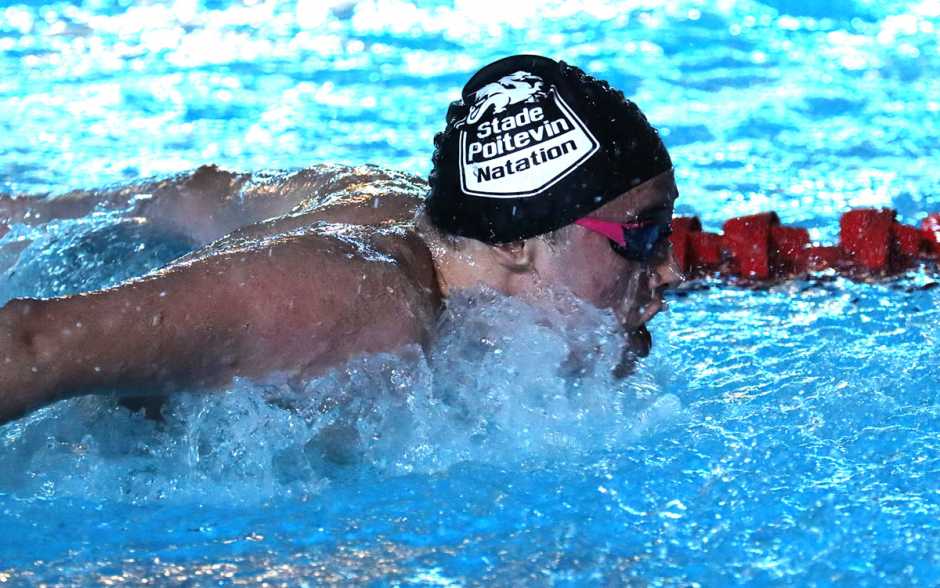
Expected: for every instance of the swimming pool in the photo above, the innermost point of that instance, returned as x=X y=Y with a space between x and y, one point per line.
x=782 y=436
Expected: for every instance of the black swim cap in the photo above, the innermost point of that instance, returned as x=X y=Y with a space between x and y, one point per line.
x=533 y=145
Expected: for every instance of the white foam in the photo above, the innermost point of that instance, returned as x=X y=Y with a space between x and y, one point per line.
x=506 y=384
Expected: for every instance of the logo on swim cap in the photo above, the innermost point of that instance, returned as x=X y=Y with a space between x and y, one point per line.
x=520 y=138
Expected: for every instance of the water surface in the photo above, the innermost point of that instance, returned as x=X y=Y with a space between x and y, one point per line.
x=788 y=436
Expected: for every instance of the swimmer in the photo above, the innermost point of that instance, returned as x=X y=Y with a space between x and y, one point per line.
x=555 y=183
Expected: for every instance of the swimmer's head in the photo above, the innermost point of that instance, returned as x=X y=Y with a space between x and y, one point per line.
x=532 y=146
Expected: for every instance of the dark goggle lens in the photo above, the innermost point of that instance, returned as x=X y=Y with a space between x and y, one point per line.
x=641 y=242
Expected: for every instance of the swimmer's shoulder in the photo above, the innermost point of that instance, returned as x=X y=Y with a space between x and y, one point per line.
x=396 y=284
x=413 y=257
x=362 y=194
x=379 y=205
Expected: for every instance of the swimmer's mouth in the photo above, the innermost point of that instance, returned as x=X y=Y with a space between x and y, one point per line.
x=639 y=341
x=651 y=309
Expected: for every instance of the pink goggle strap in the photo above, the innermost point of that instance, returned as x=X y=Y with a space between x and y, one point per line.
x=610 y=229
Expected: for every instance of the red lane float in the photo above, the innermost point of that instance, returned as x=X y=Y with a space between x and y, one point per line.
x=908 y=241
x=706 y=250
x=757 y=247
x=930 y=227
x=681 y=228
x=789 y=250
x=865 y=237
x=747 y=239
x=823 y=257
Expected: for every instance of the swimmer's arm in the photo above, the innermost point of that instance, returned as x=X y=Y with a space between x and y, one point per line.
x=296 y=307
x=33 y=210
x=202 y=205
x=189 y=204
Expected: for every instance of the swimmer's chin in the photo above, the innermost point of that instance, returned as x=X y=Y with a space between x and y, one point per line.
x=640 y=341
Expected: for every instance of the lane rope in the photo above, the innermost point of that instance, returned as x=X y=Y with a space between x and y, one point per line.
x=758 y=248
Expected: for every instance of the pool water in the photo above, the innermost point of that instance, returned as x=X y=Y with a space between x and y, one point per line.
x=783 y=436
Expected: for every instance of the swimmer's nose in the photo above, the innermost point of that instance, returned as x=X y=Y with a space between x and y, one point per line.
x=667 y=273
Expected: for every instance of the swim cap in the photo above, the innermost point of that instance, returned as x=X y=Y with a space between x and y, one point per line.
x=533 y=145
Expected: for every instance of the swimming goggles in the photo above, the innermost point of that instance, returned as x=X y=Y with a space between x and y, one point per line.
x=634 y=241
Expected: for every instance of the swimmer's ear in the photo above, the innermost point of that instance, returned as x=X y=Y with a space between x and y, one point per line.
x=515 y=257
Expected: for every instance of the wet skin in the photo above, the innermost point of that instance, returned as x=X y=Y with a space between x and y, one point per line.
x=340 y=271
x=588 y=267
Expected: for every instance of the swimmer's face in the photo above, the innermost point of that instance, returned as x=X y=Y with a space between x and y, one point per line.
x=585 y=263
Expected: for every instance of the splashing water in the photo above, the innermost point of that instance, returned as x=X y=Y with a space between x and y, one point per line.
x=779 y=437
x=485 y=394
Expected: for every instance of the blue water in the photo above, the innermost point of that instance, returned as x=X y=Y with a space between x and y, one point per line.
x=788 y=436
